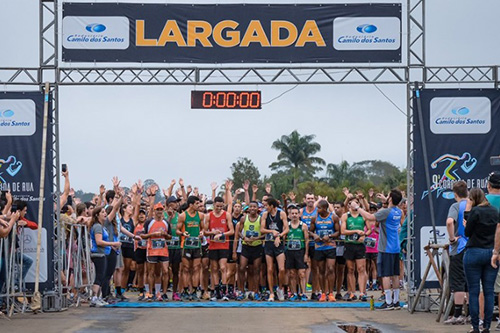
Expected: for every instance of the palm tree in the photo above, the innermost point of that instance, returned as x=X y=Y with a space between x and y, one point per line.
x=343 y=174
x=296 y=156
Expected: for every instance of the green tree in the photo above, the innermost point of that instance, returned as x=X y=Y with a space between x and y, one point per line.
x=344 y=175
x=244 y=169
x=296 y=157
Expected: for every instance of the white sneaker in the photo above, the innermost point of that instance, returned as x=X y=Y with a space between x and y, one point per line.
x=281 y=295
x=497 y=328
x=102 y=302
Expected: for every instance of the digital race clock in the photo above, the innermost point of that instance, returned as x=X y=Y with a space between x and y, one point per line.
x=226 y=100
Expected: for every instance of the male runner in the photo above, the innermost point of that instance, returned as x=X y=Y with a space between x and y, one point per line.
x=232 y=264
x=340 y=262
x=297 y=248
x=219 y=226
x=174 y=246
x=248 y=229
x=307 y=214
x=274 y=226
x=325 y=229
x=190 y=227
x=157 y=234
x=389 y=220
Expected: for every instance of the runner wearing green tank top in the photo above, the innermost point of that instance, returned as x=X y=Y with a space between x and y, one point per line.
x=189 y=226
x=297 y=252
x=353 y=227
x=248 y=229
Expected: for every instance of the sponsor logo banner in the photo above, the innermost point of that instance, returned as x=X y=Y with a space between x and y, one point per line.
x=232 y=33
x=96 y=32
x=367 y=33
x=17 y=117
x=460 y=115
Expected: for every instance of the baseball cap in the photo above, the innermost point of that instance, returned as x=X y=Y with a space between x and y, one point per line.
x=172 y=199
x=158 y=206
x=209 y=207
x=143 y=211
x=494 y=179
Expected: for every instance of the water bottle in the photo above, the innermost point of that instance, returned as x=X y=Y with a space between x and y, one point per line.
x=372 y=303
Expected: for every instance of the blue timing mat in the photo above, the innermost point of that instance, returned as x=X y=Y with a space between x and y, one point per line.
x=365 y=305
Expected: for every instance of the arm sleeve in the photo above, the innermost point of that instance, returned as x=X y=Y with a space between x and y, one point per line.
x=471 y=218
x=453 y=212
x=382 y=215
x=30 y=224
x=97 y=228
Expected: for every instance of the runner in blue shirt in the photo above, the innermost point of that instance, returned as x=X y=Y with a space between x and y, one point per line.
x=389 y=220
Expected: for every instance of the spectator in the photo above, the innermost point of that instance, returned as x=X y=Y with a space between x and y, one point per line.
x=481 y=220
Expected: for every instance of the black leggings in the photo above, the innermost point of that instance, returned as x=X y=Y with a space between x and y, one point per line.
x=100 y=270
x=110 y=269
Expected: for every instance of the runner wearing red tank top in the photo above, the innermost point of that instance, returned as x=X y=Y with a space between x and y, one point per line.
x=219 y=227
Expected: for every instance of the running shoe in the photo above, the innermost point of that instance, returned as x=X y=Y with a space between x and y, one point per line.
x=176 y=297
x=338 y=296
x=363 y=298
x=122 y=298
x=225 y=298
x=103 y=302
x=294 y=298
x=240 y=296
x=323 y=297
x=158 y=297
x=94 y=303
x=185 y=297
x=205 y=296
x=194 y=297
x=455 y=320
x=346 y=297
x=331 y=298
x=375 y=286
x=386 y=307
x=149 y=297
x=165 y=297
x=271 y=298
x=381 y=298
x=396 y=305
x=141 y=297
x=256 y=297
x=304 y=298
x=281 y=295
x=314 y=297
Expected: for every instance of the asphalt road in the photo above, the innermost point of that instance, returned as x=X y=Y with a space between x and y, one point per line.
x=85 y=319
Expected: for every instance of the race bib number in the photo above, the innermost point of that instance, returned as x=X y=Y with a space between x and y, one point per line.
x=294 y=245
x=370 y=242
x=192 y=242
x=250 y=234
x=175 y=241
x=141 y=243
x=269 y=237
x=125 y=239
x=158 y=244
x=340 y=251
x=323 y=233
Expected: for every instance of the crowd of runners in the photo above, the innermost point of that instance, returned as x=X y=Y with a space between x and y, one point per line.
x=235 y=246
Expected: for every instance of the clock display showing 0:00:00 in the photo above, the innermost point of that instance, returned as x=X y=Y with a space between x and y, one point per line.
x=228 y=99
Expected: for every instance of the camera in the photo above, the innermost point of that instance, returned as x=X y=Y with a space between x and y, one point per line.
x=370 y=242
x=64 y=167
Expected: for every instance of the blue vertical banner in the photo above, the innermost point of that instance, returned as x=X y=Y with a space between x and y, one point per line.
x=21 y=127
x=461 y=133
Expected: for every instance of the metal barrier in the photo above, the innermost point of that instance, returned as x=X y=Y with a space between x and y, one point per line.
x=78 y=267
x=12 y=257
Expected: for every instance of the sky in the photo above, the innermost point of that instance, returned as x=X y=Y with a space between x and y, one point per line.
x=141 y=132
